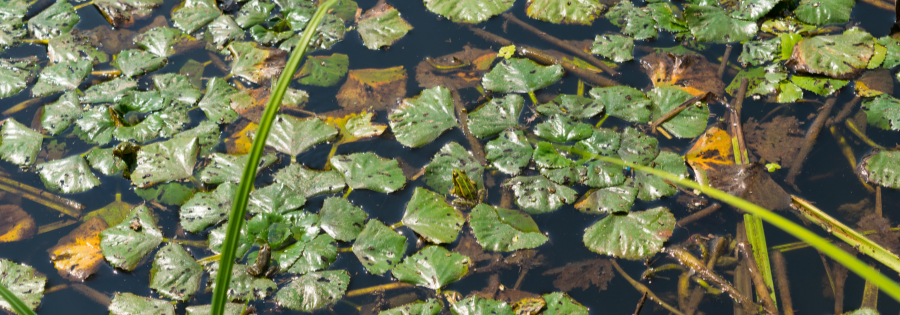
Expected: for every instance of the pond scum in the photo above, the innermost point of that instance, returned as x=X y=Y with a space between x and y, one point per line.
x=372 y=200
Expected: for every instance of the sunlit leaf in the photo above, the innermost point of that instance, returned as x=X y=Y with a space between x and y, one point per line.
x=429 y=307
x=11 y=30
x=821 y=86
x=882 y=111
x=602 y=141
x=230 y=308
x=837 y=56
x=53 y=21
x=688 y=123
x=341 y=219
x=69 y=175
x=159 y=40
x=243 y=286
x=309 y=183
x=191 y=15
x=253 y=12
x=323 y=70
x=562 y=303
x=60 y=77
x=509 y=152
x=113 y=213
x=165 y=161
x=130 y=304
x=217 y=237
x=134 y=62
x=637 y=22
x=421 y=119
x=20 y=145
x=229 y=168
x=713 y=24
x=433 y=267
x=820 y=12
x=624 y=102
x=536 y=194
x=125 y=244
x=175 y=274
x=314 y=290
x=329 y=33
x=611 y=199
x=712 y=149
x=369 y=171
x=22 y=281
x=372 y=89
x=256 y=64
x=617 y=48
x=207 y=133
x=637 y=147
x=378 y=247
x=520 y=76
x=439 y=173
x=174 y=194
x=224 y=30
x=77 y=255
x=73 y=47
x=760 y=51
x=121 y=13
x=635 y=235
x=668 y=17
x=546 y=156
x=215 y=103
x=476 y=305
x=275 y=198
x=429 y=215
x=468 y=11
x=109 y=92
x=206 y=209
x=560 y=128
x=892 y=54
x=306 y=257
x=293 y=136
x=652 y=187
x=565 y=11
x=576 y=107
x=15 y=74
x=499 y=229
x=381 y=26
x=602 y=174
x=15 y=224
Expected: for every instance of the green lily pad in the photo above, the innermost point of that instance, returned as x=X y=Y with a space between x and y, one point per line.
x=175 y=274
x=788 y=93
x=134 y=62
x=892 y=54
x=15 y=74
x=124 y=303
x=689 y=123
x=95 y=126
x=23 y=283
x=517 y=75
x=561 y=303
x=560 y=128
x=217 y=237
x=713 y=24
x=324 y=70
x=255 y=64
x=215 y=103
x=652 y=187
x=55 y=20
x=382 y=26
x=617 y=48
x=73 y=47
x=637 y=22
x=499 y=229
x=105 y=161
x=496 y=116
x=602 y=174
x=224 y=30
x=439 y=173
x=269 y=37
x=432 y=267
x=121 y=13
x=20 y=145
x=546 y=156
x=11 y=30
x=758 y=52
x=191 y=15
x=293 y=136
x=821 y=12
x=624 y=102
x=421 y=119
x=275 y=198
x=243 y=286
x=565 y=176
x=229 y=168
x=668 y=17
x=14 y=8
x=309 y=183
x=636 y=235
x=882 y=111
x=173 y=194
x=207 y=133
x=879 y=168
x=429 y=307
x=637 y=147
x=230 y=309
x=837 y=56
x=576 y=107
x=314 y=290
x=109 y=92
x=378 y=247
x=468 y=11
x=330 y=31
x=205 y=209
x=159 y=40
x=143 y=102
x=177 y=87
x=369 y=171
x=302 y=258
x=565 y=11
x=429 y=215
x=602 y=141
x=253 y=12
x=124 y=246
x=60 y=77
x=69 y=175
x=475 y=305
x=165 y=161
x=341 y=219
x=536 y=194
x=611 y=199
x=509 y=152
x=821 y=86
x=761 y=80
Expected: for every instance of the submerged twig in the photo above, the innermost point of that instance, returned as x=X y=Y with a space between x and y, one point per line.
x=55 y=225
x=845 y=111
x=692 y=263
x=870 y=295
x=738 y=131
x=781 y=279
x=640 y=305
x=861 y=135
x=878 y=206
x=643 y=289
x=810 y=140
x=381 y=287
x=477 y=149
x=724 y=63
x=18 y=107
x=67 y=206
x=676 y=110
x=92 y=294
x=556 y=41
x=762 y=291
x=698 y=215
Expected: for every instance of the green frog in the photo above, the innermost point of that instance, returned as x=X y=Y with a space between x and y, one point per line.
x=261 y=266
x=466 y=190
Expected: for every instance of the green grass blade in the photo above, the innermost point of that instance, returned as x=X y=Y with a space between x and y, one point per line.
x=17 y=305
x=757 y=238
x=238 y=208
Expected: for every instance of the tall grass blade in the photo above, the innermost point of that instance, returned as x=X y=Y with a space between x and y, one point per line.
x=239 y=207
x=757 y=239
x=17 y=305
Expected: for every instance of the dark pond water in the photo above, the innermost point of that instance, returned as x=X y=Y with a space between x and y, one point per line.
x=828 y=180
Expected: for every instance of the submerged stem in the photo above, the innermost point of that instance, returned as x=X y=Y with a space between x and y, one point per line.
x=380 y=287
x=643 y=289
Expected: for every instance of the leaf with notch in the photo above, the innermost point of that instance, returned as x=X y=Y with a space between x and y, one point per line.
x=69 y=175
x=175 y=274
x=60 y=77
x=53 y=21
x=509 y=152
x=165 y=161
x=309 y=183
x=421 y=119
x=499 y=229
x=433 y=267
x=536 y=194
x=314 y=290
x=205 y=209
x=496 y=116
x=378 y=247
x=20 y=145
x=293 y=136
x=439 y=173
x=370 y=171
x=229 y=168
x=124 y=246
x=636 y=235
x=517 y=75
x=429 y=215
x=194 y=14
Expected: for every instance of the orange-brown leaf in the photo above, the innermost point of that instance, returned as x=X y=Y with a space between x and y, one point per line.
x=376 y=88
x=15 y=224
x=77 y=255
x=713 y=147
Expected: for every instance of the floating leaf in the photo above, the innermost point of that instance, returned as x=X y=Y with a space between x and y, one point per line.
x=618 y=48
x=134 y=62
x=546 y=156
x=760 y=51
x=637 y=22
x=624 y=102
x=165 y=161
x=20 y=145
x=125 y=244
x=77 y=255
x=207 y=133
x=159 y=40
x=355 y=127
x=109 y=92
x=429 y=215
x=302 y=258
x=892 y=52
x=130 y=304
x=536 y=194
x=113 y=213
x=713 y=24
x=565 y=11
x=309 y=183
x=420 y=120
x=253 y=12
x=378 y=247
x=474 y=305
x=439 y=173
x=819 y=86
x=174 y=194
x=341 y=219
x=372 y=89
x=121 y=13
x=560 y=128
x=468 y=11
x=275 y=198
x=215 y=103
x=712 y=149
x=430 y=307
x=243 y=286
x=69 y=175
x=256 y=64
x=217 y=237
x=433 y=267
x=496 y=116
x=205 y=209
x=576 y=107
x=688 y=123
x=499 y=229
x=652 y=187
x=191 y=15
x=636 y=235
x=293 y=136
x=22 y=281
x=15 y=74
x=224 y=30
x=602 y=174
x=53 y=21
x=323 y=70
x=314 y=290
x=565 y=176
x=73 y=47
x=509 y=152
x=520 y=76
x=15 y=224
x=821 y=12
x=637 y=147
x=880 y=168
x=562 y=303
x=60 y=77
x=230 y=308
x=602 y=141
x=229 y=168
x=381 y=26
x=369 y=171
x=668 y=17
x=612 y=199
x=175 y=274
x=330 y=31
x=837 y=56
x=882 y=111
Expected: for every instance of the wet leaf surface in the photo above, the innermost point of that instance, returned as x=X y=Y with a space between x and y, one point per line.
x=372 y=88
x=546 y=156
x=275 y=198
x=69 y=175
x=15 y=224
x=452 y=156
x=759 y=52
x=159 y=41
x=207 y=134
x=837 y=56
x=341 y=219
x=113 y=213
x=53 y=21
x=509 y=152
x=882 y=111
x=256 y=64
x=60 y=77
x=617 y=48
x=229 y=168
x=206 y=209
x=308 y=182
x=20 y=145
x=536 y=194
x=134 y=62
x=651 y=187
x=224 y=30
x=314 y=291
x=125 y=244
x=574 y=106
x=430 y=216
x=429 y=307
x=230 y=309
x=378 y=247
x=130 y=304
x=293 y=136
x=74 y=47
x=468 y=11
x=819 y=86
x=165 y=161
x=22 y=281
x=253 y=12
x=191 y=15
x=559 y=128
x=369 y=171
x=433 y=267
x=243 y=286
x=496 y=116
x=302 y=258
x=323 y=70
x=215 y=102
x=602 y=141
x=634 y=236
x=520 y=76
x=77 y=255
x=624 y=102
x=611 y=199
x=712 y=24
x=175 y=274
x=637 y=147
x=880 y=168
x=382 y=26
x=690 y=122
x=637 y=22
x=109 y=92
x=820 y=12
x=565 y=11
x=499 y=229
x=475 y=305
x=15 y=74
x=422 y=119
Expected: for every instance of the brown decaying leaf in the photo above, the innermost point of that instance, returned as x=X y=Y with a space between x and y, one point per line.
x=712 y=149
x=376 y=88
x=751 y=182
x=688 y=70
x=15 y=224
x=77 y=255
x=111 y=41
x=776 y=141
x=583 y=274
x=883 y=234
x=879 y=80
x=239 y=140
x=477 y=62
x=853 y=212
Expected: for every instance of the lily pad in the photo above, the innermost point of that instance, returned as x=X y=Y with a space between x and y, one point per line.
x=109 y=92
x=892 y=53
x=15 y=74
x=69 y=175
x=496 y=116
x=60 y=77
x=174 y=194
x=215 y=103
x=499 y=229
x=420 y=120
x=113 y=213
x=509 y=152
x=229 y=168
x=53 y=21
x=668 y=17
x=341 y=219
x=821 y=86
x=565 y=176
x=293 y=136
x=758 y=52
x=77 y=255
x=636 y=235
x=330 y=31
x=205 y=209
x=230 y=309
x=429 y=215
x=546 y=156
x=468 y=11
x=175 y=274
x=565 y=11
x=882 y=111
x=159 y=40
x=129 y=304
x=576 y=107
x=217 y=237
x=561 y=303
x=612 y=199
x=314 y=290
x=379 y=248
x=536 y=194
x=652 y=187
x=134 y=62
x=324 y=70
x=165 y=161
x=475 y=304
x=255 y=64
x=382 y=26
x=73 y=47
x=316 y=254
x=224 y=30
x=429 y=307
x=369 y=171
x=880 y=168
x=22 y=281
x=837 y=56
x=309 y=183
x=624 y=102
x=602 y=141
x=433 y=267
x=207 y=133
x=517 y=75
x=125 y=244
x=713 y=24
x=689 y=123
x=637 y=147
x=637 y=22
x=121 y=13
x=560 y=128
x=177 y=87
x=275 y=198
x=191 y=15
x=20 y=145
x=439 y=173
x=617 y=48
x=253 y=12
x=821 y=12
x=602 y=174
x=244 y=287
